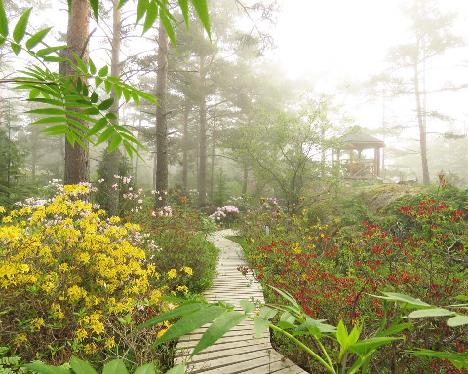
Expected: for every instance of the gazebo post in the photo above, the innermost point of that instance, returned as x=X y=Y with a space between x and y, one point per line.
x=377 y=161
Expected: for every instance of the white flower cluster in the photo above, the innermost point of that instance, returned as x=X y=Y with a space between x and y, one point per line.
x=164 y=212
x=227 y=211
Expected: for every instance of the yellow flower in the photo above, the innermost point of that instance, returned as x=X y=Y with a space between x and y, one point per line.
x=56 y=311
x=90 y=348
x=172 y=273
x=183 y=289
x=162 y=332
x=7 y=219
x=20 y=339
x=36 y=323
x=114 y=219
x=2 y=209
x=81 y=334
x=63 y=267
x=109 y=343
x=187 y=270
x=155 y=297
x=76 y=293
x=95 y=323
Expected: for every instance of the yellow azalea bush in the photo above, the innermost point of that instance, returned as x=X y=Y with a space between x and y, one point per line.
x=69 y=273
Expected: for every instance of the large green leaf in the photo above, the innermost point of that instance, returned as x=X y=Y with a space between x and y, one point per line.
x=81 y=367
x=218 y=328
x=3 y=20
x=116 y=366
x=41 y=368
x=178 y=369
x=141 y=9
x=37 y=38
x=20 y=29
x=201 y=8
x=365 y=346
x=247 y=306
x=431 y=312
x=183 y=5
x=151 y=15
x=95 y=7
x=458 y=320
x=401 y=298
x=260 y=326
x=191 y=322
x=182 y=310
x=146 y=369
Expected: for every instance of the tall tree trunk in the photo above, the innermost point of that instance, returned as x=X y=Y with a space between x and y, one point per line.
x=185 y=147
x=161 y=119
x=114 y=158
x=76 y=156
x=203 y=152
x=245 y=178
x=213 y=155
x=422 y=128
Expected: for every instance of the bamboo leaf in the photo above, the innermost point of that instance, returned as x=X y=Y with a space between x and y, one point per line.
x=151 y=15
x=201 y=8
x=20 y=28
x=141 y=9
x=3 y=20
x=218 y=328
x=183 y=4
x=37 y=38
x=95 y=7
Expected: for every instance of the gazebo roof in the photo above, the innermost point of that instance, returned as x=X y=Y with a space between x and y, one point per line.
x=360 y=138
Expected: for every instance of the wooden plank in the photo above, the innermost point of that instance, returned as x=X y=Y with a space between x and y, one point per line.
x=238 y=351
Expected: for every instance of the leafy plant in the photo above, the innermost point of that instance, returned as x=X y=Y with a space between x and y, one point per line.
x=70 y=104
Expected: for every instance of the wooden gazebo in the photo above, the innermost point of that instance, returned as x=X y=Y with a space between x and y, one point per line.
x=353 y=157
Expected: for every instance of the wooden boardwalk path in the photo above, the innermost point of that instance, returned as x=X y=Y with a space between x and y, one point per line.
x=238 y=351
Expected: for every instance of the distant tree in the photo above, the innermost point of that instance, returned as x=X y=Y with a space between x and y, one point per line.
x=432 y=36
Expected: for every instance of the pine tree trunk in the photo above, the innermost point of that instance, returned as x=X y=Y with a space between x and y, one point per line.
x=203 y=152
x=162 y=172
x=114 y=158
x=76 y=156
x=422 y=128
x=185 y=147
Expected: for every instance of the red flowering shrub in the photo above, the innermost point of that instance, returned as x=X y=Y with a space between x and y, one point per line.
x=420 y=252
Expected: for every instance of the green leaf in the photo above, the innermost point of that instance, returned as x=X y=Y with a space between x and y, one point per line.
x=122 y=3
x=114 y=143
x=16 y=48
x=95 y=7
x=191 y=322
x=342 y=338
x=365 y=346
x=287 y=296
x=46 y=120
x=141 y=9
x=267 y=312
x=395 y=329
x=20 y=28
x=81 y=367
x=178 y=369
x=106 y=134
x=151 y=15
x=168 y=25
x=106 y=104
x=116 y=366
x=49 y=50
x=458 y=320
x=55 y=130
x=432 y=312
x=247 y=306
x=98 y=126
x=103 y=71
x=92 y=66
x=401 y=298
x=260 y=326
x=2 y=40
x=41 y=368
x=182 y=310
x=201 y=8
x=37 y=38
x=218 y=328
x=54 y=59
x=183 y=5
x=3 y=20
x=146 y=369
x=459 y=360
x=46 y=111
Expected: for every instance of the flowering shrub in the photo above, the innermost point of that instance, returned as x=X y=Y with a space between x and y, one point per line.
x=68 y=273
x=419 y=250
x=226 y=214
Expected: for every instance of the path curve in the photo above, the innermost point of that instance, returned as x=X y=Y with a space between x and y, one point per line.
x=238 y=351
